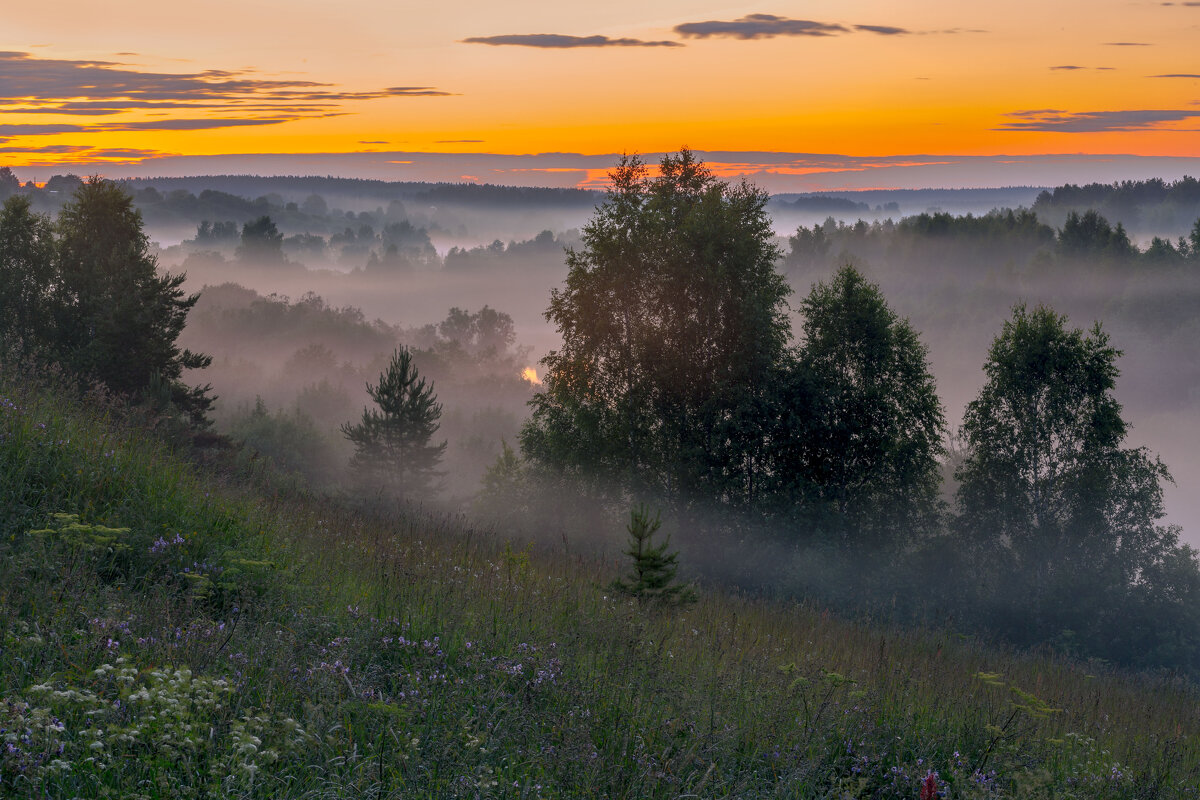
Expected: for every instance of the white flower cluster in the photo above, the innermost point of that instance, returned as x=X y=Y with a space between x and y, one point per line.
x=164 y=711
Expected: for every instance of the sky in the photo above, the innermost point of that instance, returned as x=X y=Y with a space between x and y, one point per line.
x=798 y=96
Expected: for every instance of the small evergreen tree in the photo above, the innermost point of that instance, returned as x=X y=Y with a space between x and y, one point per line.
x=653 y=575
x=504 y=497
x=392 y=449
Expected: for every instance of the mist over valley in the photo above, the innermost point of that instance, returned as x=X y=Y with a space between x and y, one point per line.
x=404 y=255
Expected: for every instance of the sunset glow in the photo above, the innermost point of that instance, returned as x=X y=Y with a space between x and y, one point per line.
x=146 y=88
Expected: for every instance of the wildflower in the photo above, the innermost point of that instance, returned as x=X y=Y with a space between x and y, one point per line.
x=929 y=787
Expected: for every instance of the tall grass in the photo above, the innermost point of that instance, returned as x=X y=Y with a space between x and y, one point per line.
x=184 y=635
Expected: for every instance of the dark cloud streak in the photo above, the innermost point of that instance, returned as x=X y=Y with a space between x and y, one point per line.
x=48 y=86
x=758 y=26
x=49 y=129
x=561 y=41
x=770 y=26
x=1049 y=120
x=882 y=30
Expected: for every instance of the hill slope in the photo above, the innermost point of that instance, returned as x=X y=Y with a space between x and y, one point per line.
x=168 y=634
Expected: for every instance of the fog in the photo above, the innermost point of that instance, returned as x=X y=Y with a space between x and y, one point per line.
x=404 y=259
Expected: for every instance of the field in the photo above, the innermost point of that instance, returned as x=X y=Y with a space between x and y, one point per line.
x=173 y=630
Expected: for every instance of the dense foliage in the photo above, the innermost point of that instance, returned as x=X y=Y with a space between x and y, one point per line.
x=1063 y=517
x=864 y=427
x=87 y=293
x=676 y=377
x=673 y=321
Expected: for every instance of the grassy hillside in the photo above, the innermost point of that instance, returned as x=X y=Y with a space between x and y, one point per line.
x=164 y=633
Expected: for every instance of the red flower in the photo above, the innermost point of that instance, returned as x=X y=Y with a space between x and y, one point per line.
x=929 y=787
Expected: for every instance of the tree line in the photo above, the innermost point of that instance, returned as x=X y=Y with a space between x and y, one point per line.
x=679 y=382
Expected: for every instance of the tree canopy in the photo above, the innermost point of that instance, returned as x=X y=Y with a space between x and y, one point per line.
x=87 y=293
x=1050 y=501
x=117 y=318
x=262 y=243
x=865 y=426
x=673 y=319
x=26 y=275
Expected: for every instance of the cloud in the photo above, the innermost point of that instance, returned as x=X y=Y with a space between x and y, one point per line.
x=198 y=124
x=1093 y=121
x=459 y=141
x=60 y=87
x=1179 y=74
x=87 y=152
x=562 y=41
x=54 y=149
x=883 y=30
x=1068 y=66
x=1126 y=44
x=769 y=26
x=758 y=26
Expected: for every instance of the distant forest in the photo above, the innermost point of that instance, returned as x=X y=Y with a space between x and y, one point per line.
x=1151 y=205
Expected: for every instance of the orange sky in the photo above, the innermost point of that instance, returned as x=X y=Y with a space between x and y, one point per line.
x=114 y=87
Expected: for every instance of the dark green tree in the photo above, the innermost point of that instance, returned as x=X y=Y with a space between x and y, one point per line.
x=652 y=573
x=314 y=205
x=809 y=248
x=862 y=439
x=118 y=319
x=1090 y=236
x=262 y=243
x=9 y=183
x=26 y=277
x=1051 y=505
x=392 y=450
x=63 y=184
x=215 y=234
x=673 y=321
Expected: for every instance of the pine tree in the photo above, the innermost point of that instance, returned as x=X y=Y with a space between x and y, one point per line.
x=392 y=449
x=653 y=575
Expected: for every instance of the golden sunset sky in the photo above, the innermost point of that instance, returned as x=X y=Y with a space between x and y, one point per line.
x=814 y=94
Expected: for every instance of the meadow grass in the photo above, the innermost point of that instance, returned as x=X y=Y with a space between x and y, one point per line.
x=165 y=632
